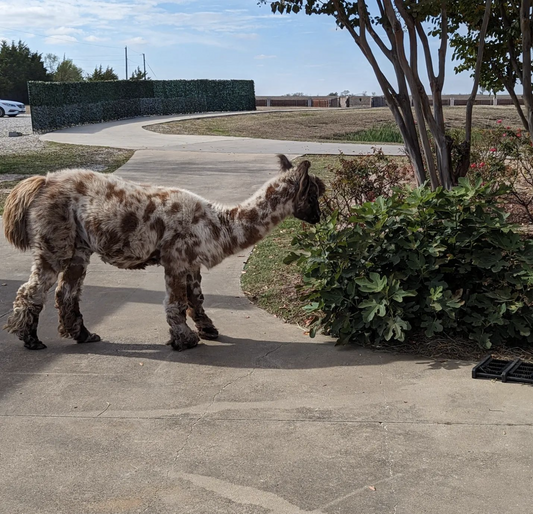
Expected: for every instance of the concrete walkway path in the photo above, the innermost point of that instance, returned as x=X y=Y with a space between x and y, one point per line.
x=131 y=134
x=265 y=420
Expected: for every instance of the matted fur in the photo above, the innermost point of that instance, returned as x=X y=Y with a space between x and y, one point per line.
x=70 y=214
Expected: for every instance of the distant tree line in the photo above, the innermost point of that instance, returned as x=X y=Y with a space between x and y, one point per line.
x=18 y=65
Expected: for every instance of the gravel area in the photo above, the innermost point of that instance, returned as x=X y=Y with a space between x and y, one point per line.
x=28 y=142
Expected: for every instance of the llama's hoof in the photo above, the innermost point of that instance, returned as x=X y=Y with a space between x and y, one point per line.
x=209 y=333
x=34 y=344
x=181 y=345
x=87 y=337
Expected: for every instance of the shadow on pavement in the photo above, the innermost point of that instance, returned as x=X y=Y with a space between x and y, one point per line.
x=233 y=352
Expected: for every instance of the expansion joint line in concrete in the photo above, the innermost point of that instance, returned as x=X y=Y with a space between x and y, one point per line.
x=271 y=420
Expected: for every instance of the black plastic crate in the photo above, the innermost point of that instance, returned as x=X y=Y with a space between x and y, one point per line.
x=520 y=372
x=493 y=368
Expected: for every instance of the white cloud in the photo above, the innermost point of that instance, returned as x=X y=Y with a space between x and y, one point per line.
x=135 y=41
x=263 y=56
x=64 y=31
x=94 y=39
x=150 y=23
x=60 y=40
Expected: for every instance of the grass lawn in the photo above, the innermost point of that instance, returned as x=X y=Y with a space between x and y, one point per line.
x=270 y=283
x=324 y=125
x=53 y=157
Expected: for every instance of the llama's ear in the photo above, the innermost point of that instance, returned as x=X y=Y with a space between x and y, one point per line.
x=303 y=171
x=303 y=168
x=284 y=163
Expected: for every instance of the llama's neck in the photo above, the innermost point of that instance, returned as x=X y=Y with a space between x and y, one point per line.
x=252 y=220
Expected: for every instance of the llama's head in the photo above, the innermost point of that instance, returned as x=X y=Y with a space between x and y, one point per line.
x=309 y=190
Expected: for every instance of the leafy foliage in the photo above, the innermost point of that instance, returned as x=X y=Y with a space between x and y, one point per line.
x=138 y=74
x=436 y=261
x=55 y=105
x=18 y=65
x=101 y=74
x=503 y=44
x=67 y=71
x=507 y=55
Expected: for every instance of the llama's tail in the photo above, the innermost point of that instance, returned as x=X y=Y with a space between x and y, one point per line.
x=16 y=211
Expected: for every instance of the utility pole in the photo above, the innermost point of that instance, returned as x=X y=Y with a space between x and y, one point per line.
x=126 y=54
x=144 y=66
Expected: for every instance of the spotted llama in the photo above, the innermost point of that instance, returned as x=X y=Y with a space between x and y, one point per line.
x=68 y=215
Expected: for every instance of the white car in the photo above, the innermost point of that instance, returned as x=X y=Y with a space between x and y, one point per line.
x=11 y=108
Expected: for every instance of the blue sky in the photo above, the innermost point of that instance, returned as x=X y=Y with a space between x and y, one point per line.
x=189 y=39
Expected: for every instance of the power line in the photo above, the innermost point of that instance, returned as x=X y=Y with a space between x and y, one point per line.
x=153 y=72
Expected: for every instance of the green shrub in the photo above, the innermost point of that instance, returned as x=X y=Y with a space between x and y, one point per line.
x=437 y=261
x=56 y=105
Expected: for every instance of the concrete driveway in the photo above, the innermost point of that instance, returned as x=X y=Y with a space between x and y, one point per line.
x=265 y=420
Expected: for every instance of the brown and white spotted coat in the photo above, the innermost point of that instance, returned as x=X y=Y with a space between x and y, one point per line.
x=68 y=215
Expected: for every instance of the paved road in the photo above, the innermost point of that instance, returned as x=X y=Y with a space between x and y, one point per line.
x=265 y=420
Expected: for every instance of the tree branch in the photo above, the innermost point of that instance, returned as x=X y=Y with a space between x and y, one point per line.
x=510 y=41
x=443 y=45
x=477 y=71
x=525 y=25
x=509 y=86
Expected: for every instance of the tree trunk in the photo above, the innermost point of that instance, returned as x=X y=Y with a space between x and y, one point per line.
x=525 y=24
x=509 y=86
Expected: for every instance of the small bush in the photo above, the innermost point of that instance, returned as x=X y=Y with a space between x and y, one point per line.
x=436 y=261
x=505 y=156
x=360 y=179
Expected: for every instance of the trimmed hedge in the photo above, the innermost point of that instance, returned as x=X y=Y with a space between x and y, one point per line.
x=56 y=105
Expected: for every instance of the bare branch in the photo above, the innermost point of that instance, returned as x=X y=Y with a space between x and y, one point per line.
x=387 y=52
x=509 y=86
x=477 y=71
x=427 y=54
x=443 y=45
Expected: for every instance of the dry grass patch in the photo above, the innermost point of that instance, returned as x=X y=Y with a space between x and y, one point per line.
x=15 y=166
x=322 y=124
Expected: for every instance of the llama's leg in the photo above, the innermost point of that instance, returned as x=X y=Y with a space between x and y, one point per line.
x=68 y=293
x=181 y=336
x=29 y=303
x=195 y=299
